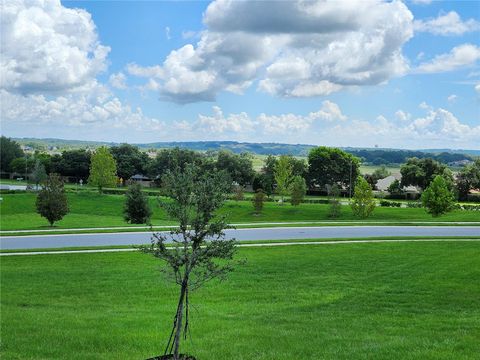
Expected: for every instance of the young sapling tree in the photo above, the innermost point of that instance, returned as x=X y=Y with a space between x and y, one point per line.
x=199 y=250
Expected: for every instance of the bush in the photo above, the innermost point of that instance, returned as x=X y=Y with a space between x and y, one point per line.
x=385 y=203
x=414 y=204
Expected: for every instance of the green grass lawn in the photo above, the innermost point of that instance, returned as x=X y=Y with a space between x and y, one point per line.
x=369 y=301
x=89 y=210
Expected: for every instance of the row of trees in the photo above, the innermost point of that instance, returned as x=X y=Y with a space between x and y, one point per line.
x=324 y=168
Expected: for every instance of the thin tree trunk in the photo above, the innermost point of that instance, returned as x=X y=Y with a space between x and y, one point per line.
x=179 y=316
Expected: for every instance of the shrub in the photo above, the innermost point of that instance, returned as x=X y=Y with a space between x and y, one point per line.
x=385 y=203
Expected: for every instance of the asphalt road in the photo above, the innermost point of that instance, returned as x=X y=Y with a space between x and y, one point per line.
x=287 y=233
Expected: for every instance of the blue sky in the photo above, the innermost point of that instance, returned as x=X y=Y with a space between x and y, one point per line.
x=392 y=74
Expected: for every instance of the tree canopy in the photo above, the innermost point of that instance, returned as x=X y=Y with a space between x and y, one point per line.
x=130 y=160
x=51 y=200
x=420 y=172
x=9 y=150
x=172 y=159
x=328 y=166
x=102 y=169
x=238 y=167
x=468 y=178
x=437 y=198
x=72 y=163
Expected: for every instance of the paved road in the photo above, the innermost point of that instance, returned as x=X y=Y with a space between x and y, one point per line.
x=287 y=233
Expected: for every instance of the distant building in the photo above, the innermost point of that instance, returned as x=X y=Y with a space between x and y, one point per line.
x=142 y=180
x=384 y=184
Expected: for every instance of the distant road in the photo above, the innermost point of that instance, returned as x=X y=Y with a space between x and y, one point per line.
x=286 y=233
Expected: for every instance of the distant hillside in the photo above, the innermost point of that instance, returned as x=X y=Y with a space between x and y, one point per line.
x=368 y=155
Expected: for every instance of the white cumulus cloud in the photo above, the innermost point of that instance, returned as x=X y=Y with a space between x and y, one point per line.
x=447 y=24
x=118 y=80
x=48 y=47
x=301 y=49
x=459 y=57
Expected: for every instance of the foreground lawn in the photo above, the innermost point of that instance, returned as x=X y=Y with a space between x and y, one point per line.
x=369 y=301
x=89 y=210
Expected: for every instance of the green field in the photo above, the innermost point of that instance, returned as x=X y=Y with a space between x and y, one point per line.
x=89 y=210
x=368 y=301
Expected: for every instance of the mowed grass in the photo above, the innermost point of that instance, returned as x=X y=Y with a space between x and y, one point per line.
x=369 y=301
x=90 y=210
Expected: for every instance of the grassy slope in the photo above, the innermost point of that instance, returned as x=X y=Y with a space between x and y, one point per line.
x=93 y=210
x=375 y=301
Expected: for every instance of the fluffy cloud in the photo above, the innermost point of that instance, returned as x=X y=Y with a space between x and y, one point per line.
x=242 y=124
x=47 y=47
x=118 y=80
x=330 y=126
x=218 y=123
x=447 y=24
x=50 y=59
x=442 y=125
x=460 y=56
x=402 y=116
x=301 y=49
x=95 y=107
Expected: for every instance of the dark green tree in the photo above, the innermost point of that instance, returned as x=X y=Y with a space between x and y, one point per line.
x=420 y=172
x=171 y=159
x=9 y=150
x=72 y=163
x=264 y=182
x=332 y=166
x=195 y=196
x=468 y=178
x=51 y=200
x=298 y=190
x=239 y=167
x=23 y=165
x=136 y=209
x=437 y=198
x=363 y=202
x=130 y=160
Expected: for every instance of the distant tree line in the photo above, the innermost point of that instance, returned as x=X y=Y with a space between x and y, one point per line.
x=385 y=157
x=325 y=167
